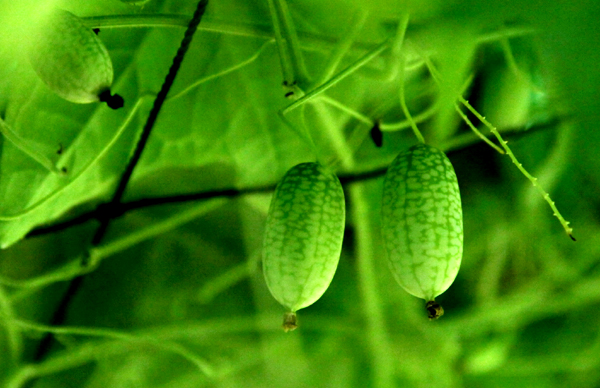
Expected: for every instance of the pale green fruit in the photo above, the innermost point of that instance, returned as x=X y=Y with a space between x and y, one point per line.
x=71 y=59
x=303 y=237
x=422 y=223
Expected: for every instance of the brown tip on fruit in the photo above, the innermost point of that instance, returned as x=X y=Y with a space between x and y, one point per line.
x=290 y=321
x=434 y=310
x=113 y=101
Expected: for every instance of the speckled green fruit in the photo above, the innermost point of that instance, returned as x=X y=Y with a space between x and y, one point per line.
x=422 y=221
x=303 y=236
x=71 y=59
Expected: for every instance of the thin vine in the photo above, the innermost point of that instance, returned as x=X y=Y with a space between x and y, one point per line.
x=532 y=179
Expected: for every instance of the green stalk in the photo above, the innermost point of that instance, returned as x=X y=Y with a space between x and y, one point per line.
x=346 y=109
x=342 y=47
x=380 y=345
x=532 y=179
x=284 y=56
x=405 y=110
x=221 y=73
x=215 y=286
x=512 y=64
x=404 y=124
x=27 y=148
x=476 y=131
x=293 y=44
x=565 y=224
x=103 y=251
x=338 y=77
x=397 y=64
x=74 y=357
x=14 y=336
x=310 y=40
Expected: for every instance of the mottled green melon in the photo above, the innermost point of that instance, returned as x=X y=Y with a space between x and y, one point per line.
x=303 y=237
x=71 y=59
x=422 y=222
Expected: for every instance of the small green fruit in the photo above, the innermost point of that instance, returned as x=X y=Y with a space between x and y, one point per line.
x=303 y=237
x=72 y=60
x=422 y=223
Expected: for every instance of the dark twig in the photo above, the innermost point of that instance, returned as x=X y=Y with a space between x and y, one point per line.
x=158 y=103
x=123 y=208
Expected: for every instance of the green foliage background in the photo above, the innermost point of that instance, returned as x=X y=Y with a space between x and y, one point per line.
x=176 y=297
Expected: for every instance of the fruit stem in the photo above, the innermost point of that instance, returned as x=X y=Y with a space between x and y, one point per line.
x=113 y=101
x=290 y=321
x=405 y=110
x=434 y=310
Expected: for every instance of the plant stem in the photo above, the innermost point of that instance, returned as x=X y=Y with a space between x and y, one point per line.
x=103 y=251
x=284 y=55
x=406 y=112
x=338 y=77
x=380 y=346
x=221 y=73
x=404 y=124
x=173 y=347
x=293 y=44
x=153 y=116
x=342 y=47
x=476 y=131
x=14 y=338
x=27 y=148
x=531 y=178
